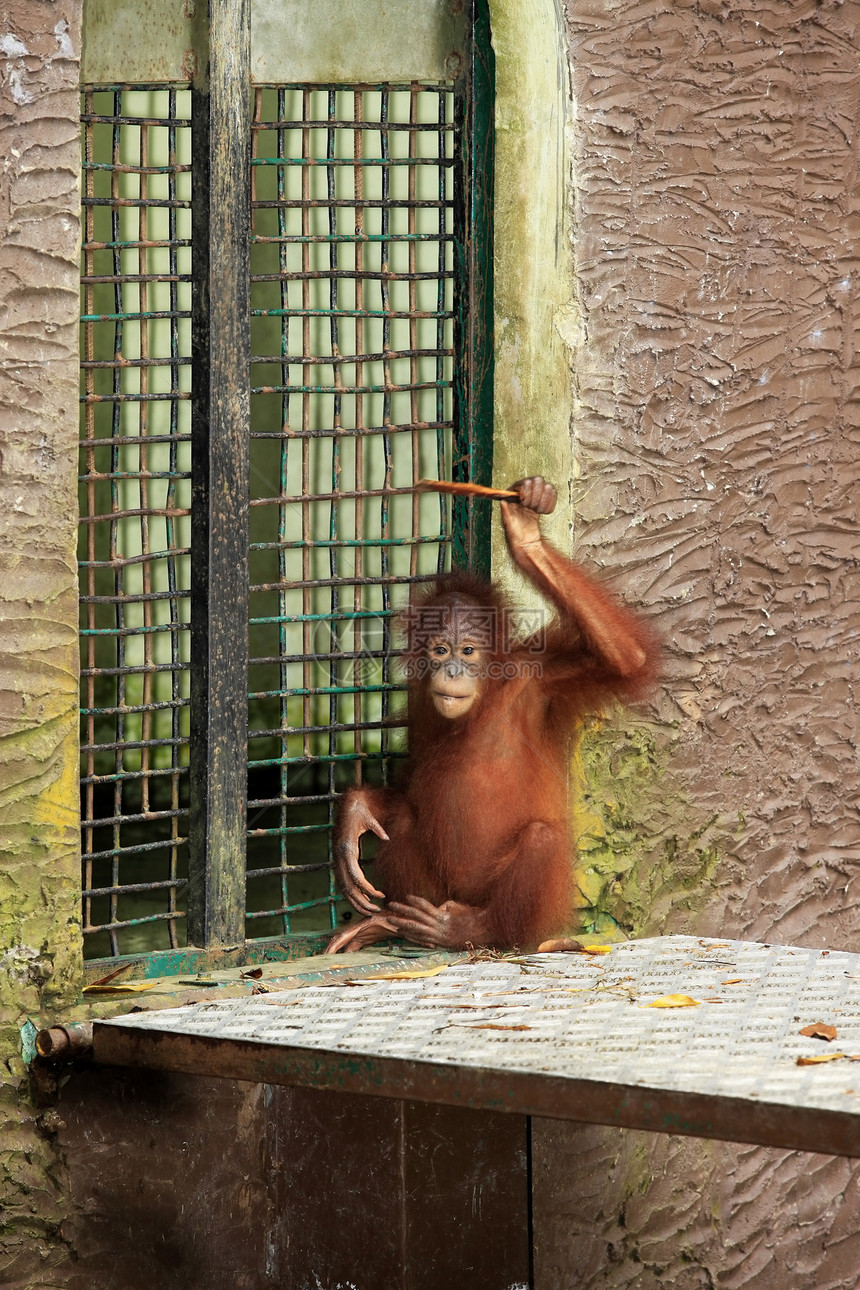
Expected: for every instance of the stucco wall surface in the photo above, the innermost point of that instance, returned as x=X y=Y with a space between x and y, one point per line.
x=717 y=436
x=39 y=843
x=717 y=426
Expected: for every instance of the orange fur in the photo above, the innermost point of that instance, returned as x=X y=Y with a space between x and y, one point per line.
x=481 y=814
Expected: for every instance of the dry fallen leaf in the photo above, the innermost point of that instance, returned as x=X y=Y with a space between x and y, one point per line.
x=597 y=949
x=733 y=980
x=559 y=944
x=819 y=1030
x=674 y=1001
x=119 y=987
x=111 y=976
x=413 y=975
x=819 y=1058
x=491 y=1025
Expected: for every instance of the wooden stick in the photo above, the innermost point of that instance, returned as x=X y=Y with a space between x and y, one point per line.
x=467 y=489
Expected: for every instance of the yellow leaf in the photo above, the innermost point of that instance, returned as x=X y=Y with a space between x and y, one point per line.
x=120 y=987
x=596 y=949
x=819 y=1058
x=674 y=1001
x=413 y=975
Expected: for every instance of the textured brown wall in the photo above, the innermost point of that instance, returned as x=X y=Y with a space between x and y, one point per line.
x=718 y=423
x=718 y=434
x=40 y=948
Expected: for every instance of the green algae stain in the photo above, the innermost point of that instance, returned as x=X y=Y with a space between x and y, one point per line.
x=643 y=851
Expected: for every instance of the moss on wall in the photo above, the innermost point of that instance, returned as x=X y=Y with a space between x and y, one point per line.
x=629 y=882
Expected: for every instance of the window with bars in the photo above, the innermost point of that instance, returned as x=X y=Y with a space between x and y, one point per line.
x=249 y=529
x=351 y=402
x=135 y=497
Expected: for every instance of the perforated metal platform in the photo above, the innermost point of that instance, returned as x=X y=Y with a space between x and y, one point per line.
x=564 y=1035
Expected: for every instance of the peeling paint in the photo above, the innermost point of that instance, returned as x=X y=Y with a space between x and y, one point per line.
x=12 y=47
x=28 y=1041
x=20 y=94
x=64 y=40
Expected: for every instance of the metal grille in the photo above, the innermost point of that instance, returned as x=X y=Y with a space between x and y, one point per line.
x=370 y=367
x=134 y=503
x=352 y=367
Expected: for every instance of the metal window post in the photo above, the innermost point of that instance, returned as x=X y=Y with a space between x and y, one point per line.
x=473 y=306
x=219 y=525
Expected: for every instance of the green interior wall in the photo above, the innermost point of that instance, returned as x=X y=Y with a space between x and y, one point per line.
x=534 y=286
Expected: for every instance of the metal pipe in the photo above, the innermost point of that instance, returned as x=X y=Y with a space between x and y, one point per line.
x=64 y=1043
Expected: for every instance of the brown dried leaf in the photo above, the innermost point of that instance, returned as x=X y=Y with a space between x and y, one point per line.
x=820 y=1030
x=493 y=1025
x=733 y=980
x=253 y=974
x=559 y=944
x=819 y=1058
x=111 y=976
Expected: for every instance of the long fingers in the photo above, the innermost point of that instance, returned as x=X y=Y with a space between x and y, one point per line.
x=363 y=933
x=536 y=494
x=358 y=891
x=419 y=924
x=411 y=903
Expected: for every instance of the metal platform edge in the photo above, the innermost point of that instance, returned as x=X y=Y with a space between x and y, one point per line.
x=616 y=1105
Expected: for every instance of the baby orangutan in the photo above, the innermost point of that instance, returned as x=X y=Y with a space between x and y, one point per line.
x=476 y=845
